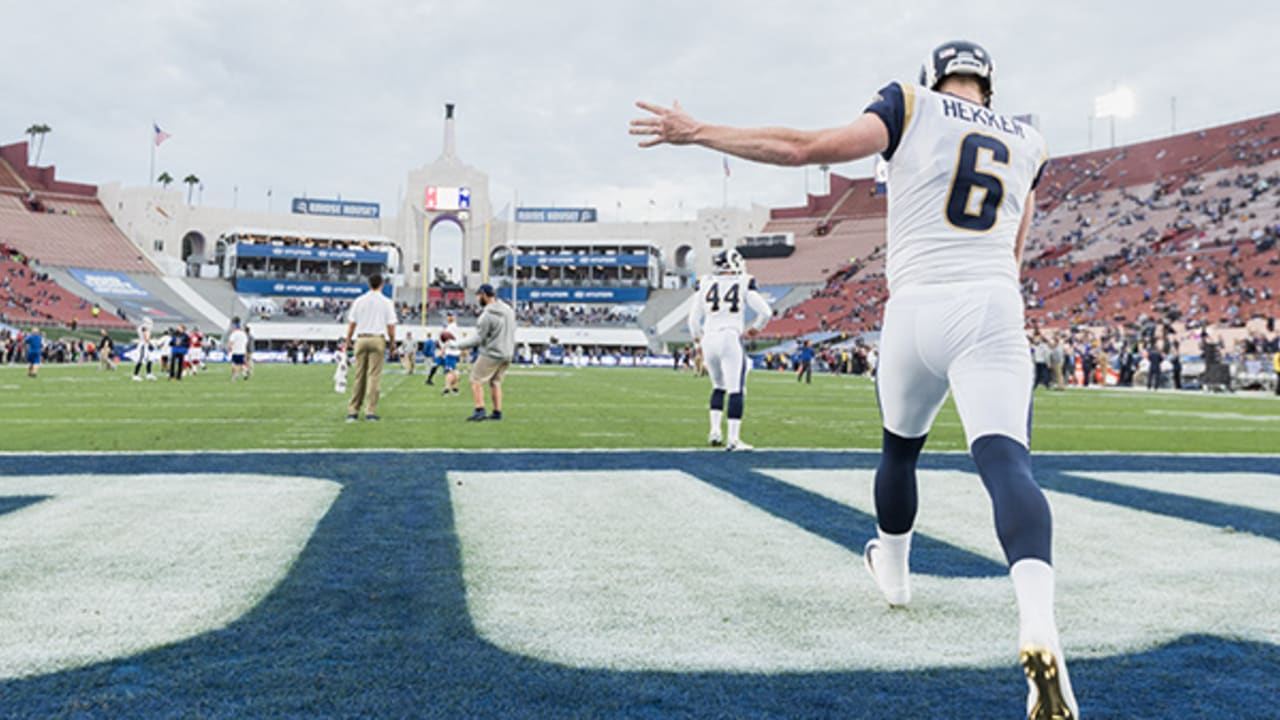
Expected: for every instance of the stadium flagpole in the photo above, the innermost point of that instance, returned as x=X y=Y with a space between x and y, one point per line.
x=515 y=249
x=426 y=231
x=725 y=183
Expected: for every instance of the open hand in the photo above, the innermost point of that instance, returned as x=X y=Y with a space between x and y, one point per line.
x=667 y=125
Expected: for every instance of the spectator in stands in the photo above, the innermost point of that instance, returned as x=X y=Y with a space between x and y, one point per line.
x=371 y=315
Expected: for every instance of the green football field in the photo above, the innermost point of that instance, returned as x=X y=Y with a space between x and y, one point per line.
x=295 y=407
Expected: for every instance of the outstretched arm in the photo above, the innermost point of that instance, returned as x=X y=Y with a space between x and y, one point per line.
x=861 y=138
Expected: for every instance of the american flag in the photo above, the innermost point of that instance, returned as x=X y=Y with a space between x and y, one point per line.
x=161 y=135
x=726 y=166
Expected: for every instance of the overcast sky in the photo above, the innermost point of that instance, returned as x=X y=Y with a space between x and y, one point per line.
x=332 y=97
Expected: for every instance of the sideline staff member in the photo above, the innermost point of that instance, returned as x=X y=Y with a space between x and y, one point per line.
x=496 y=338
x=370 y=316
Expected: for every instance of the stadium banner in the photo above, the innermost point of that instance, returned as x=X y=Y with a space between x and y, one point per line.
x=154 y=309
x=295 y=252
x=556 y=215
x=577 y=294
x=108 y=284
x=336 y=208
x=625 y=260
x=304 y=288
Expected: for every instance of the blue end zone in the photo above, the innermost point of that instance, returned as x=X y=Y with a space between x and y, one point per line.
x=372 y=621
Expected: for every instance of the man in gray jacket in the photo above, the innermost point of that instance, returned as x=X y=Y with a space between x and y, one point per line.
x=496 y=338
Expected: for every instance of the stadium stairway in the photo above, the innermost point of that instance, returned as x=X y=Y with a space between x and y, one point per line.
x=183 y=288
x=663 y=316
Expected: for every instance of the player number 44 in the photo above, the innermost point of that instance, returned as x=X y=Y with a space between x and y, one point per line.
x=730 y=298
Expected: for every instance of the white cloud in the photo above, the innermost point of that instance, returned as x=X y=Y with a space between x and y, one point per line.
x=340 y=96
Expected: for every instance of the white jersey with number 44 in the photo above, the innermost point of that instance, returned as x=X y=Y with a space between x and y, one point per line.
x=720 y=302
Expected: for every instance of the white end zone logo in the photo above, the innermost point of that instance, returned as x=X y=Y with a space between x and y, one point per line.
x=111 y=565
x=657 y=570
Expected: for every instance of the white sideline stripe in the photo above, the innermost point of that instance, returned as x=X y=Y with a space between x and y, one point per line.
x=435 y=421
x=1216 y=415
x=588 y=451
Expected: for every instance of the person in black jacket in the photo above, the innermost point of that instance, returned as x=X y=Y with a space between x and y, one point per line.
x=179 y=342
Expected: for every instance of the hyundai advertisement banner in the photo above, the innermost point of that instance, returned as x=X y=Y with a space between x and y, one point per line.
x=296 y=252
x=626 y=260
x=304 y=288
x=577 y=294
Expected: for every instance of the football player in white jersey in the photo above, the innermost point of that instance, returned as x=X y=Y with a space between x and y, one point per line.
x=449 y=338
x=716 y=321
x=144 y=351
x=961 y=195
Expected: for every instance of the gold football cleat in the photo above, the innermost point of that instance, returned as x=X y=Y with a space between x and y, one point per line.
x=1042 y=670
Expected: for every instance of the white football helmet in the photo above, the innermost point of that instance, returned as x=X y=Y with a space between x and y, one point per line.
x=960 y=57
x=729 y=262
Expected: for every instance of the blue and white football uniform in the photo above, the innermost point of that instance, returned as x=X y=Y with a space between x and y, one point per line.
x=717 y=319
x=959 y=177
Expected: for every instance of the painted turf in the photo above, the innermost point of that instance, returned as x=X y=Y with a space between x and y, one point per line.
x=378 y=615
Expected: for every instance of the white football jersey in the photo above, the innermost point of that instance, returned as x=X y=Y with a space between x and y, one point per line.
x=959 y=175
x=720 y=302
x=451 y=346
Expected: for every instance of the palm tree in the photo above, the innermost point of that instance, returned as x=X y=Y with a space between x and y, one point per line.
x=164 y=179
x=41 y=130
x=37 y=129
x=191 y=181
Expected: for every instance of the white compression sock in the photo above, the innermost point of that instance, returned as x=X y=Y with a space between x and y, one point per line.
x=734 y=426
x=715 y=421
x=1033 y=585
x=895 y=553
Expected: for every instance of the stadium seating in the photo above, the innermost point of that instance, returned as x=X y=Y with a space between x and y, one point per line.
x=27 y=298
x=1183 y=227
x=59 y=222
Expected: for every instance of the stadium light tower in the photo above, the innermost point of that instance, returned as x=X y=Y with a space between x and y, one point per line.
x=1119 y=103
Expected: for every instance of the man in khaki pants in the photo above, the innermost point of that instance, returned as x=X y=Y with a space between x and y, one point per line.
x=408 y=349
x=371 y=315
x=496 y=338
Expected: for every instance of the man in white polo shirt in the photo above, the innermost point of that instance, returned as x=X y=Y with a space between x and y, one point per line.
x=372 y=321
